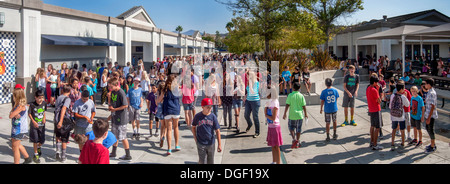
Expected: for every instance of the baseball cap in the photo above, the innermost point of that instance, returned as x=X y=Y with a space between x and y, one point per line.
x=207 y=101
x=137 y=79
x=19 y=86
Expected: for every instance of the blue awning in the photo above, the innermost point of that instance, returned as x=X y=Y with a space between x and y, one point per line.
x=172 y=46
x=81 y=41
x=192 y=47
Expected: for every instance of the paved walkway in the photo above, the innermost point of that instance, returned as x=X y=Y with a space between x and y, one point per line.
x=351 y=147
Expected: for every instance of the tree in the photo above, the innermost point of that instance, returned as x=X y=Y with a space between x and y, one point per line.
x=241 y=37
x=328 y=11
x=179 y=29
x=267 y=16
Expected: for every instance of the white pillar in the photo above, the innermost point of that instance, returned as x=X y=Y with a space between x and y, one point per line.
x=161 y=46
x=112 y=35
x=403 y=55
x=126 y=50
x=28 y=43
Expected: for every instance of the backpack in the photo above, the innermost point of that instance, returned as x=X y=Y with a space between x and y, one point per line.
x=397 y=106
x=68 y=123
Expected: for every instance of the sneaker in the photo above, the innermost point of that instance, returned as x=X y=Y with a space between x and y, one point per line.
x=430 y=149
x=327 y=139
x=419 y=144
x=256 y=135
x=414 y=141
x=169 y=152
x=112 y=155
x=57 y=157
x=177 y=148
x=294 y=144
x=39 y=151
x=392 y=148
x=125 y=158
x=63 y=159
x=298 y=145
x=27 y=160
x=353 y=123
x=335 y=136
x=377 y=147
x=345 y=123
x=36 y=159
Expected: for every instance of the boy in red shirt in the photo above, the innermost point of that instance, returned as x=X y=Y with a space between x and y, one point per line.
x=374 y=101
x=93 y=151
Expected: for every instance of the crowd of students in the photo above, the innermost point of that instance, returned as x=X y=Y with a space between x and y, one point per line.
x=175 y=82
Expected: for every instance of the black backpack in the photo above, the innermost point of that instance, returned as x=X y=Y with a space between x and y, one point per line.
x=68 y=123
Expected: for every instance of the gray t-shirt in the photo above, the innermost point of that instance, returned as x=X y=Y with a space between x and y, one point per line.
x=119 y=99
x=61 y=101
x=351 y=82
x=84 y=109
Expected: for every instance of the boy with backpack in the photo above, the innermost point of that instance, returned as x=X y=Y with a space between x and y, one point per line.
x=397 y=102
x=62 y=114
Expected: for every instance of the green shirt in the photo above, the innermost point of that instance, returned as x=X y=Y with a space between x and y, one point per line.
x=296 y=101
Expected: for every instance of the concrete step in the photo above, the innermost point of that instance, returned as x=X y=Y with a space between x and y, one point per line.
x=312 y=99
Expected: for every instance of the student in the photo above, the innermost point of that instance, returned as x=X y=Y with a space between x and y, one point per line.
x=62 y=111
x=41 y=79
x=19 y=121
x=86 y=82
x=272 y=112
x=145 y=85
x=252 y=103
x=239 y=91
x=397 y=102
x=306 y=81
x=36 y=113
x=204 y=125
x=286 y=74
x=118 y=106
x=136 y=101
x=417 y=109
x=296 y=76
x=296 y=105
x=373 y=102
x=152 y=108
x=188 y=91
x=93 y=151
x=84 y=112
x=430 y=114
x=104 y=86
x=159 y=114
x=227 y=99
x=329 y=98
x=52 y=79
x=171 y=110
x=351 y=86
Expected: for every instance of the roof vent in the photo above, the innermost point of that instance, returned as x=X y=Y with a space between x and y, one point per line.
x=385 y=18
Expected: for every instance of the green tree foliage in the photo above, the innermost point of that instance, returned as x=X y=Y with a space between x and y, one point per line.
x=327 y=12
x=242 y=37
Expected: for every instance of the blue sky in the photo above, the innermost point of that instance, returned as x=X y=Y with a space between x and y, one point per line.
x=210 y=16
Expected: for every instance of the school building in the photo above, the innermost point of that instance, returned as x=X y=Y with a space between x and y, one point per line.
x=343 y=45
x=34 y=34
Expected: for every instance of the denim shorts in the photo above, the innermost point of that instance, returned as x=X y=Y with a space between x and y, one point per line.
x=188 y=107
x=237 y=103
